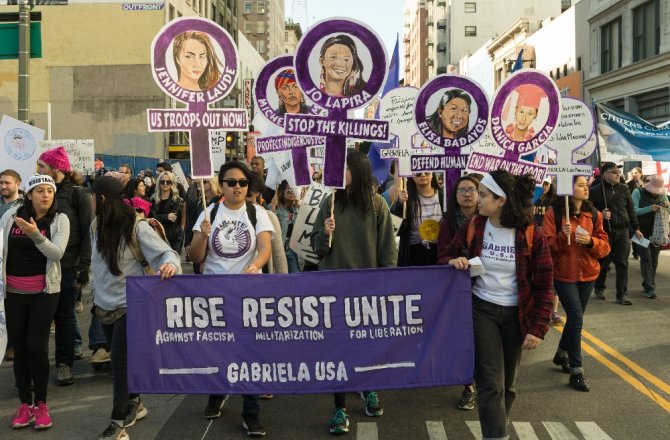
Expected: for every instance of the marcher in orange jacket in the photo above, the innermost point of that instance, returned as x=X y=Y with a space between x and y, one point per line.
x=575 y=270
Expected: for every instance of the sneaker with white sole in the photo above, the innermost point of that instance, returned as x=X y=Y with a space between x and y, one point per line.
x=114 y=432
x=215 y=404
x=136 y=411
x=100 y=356
x=42 y=417
x=64 y=376
x=253 y=426
x=372 y=406
x=24 y=415
x=339 y=423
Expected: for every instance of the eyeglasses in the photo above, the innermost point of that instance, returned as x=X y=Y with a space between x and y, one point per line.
x=420 y=174
x=466 y=191
x=166 y=182
x=232 y=182
x=289 y=190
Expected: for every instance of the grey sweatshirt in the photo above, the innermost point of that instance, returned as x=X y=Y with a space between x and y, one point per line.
x=110 y=290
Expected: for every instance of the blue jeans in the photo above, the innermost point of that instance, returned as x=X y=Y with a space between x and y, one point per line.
x=96 y=335
x=574 y=298
x=65 y=318
x=497 y=356
x=291 y=259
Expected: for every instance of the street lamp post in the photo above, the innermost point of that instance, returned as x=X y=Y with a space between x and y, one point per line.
x=24 y=61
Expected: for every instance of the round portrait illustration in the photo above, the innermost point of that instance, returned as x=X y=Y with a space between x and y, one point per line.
x=525 y=111
x=277 y=91
x=194 y=60
x=341 y=64
x=452 y=111
x=19 y=144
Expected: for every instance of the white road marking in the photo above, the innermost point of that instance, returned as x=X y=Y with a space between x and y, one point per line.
x=366 y=431
x=206 y=370
x=436 y=431
x=559 y=431
x=206 y=430
x=524 y=430
x=475 y=429
x=385 y=366
x=591 y=431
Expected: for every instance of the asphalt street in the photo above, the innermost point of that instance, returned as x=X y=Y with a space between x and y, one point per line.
x=626 y=360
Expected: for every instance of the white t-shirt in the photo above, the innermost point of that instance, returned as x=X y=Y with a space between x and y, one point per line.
x=232 y=243
x=498 y=285
x=430 y=211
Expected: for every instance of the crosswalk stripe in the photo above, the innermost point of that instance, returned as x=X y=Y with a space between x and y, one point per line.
x=366 y=431
x=524 y=430
x=591 y=431
x=558 y=431
x=436 y=431
x=475 y=429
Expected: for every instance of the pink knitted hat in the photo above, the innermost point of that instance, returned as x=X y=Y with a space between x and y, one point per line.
x=57 y=159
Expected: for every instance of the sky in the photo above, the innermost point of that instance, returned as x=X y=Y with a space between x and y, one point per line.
x=383 y=16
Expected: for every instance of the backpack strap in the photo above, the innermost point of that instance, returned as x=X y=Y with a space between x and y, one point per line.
x=251 y=213
x=212 y=215
x=135 y=249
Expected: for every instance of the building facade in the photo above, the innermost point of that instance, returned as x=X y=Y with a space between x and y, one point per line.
x=292 y=36
x=262 y=22
x=415 y=41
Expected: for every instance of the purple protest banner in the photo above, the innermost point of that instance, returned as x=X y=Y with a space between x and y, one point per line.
x=341 y=66
x=277 y=93
x=315 y=332
x=451 y=112
x=194 y=60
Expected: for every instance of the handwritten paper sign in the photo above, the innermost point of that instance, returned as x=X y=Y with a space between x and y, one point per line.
x=304 y=223
x=80 y=152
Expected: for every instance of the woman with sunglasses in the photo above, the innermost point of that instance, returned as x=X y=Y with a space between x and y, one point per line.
x=418 y=233
x=235 y=246
x=168 y=209
x=364 y=238
x=287 y=212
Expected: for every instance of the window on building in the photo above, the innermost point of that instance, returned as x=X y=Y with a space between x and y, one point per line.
x=213 y=12
x=579 y=63
x=610 y=46
x=260 y=27
x=646 y=30
x=248 y=26
x=470 y=31
x=565 y=5
x=619 y=104
x=470 y=7
x=654 y=106
x=260 y=6
x=221 y=20
x=565 y=70
x=172 y=13
x=247 y=6
x=261 y=46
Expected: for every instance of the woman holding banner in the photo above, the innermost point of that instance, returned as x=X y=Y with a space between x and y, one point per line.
x=35 y=238
x=576 y=268
x=113 y=233
x=511 y=301
x=365 y=216
x=288 y=204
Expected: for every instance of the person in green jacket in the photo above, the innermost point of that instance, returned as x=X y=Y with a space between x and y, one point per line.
x=364 y=239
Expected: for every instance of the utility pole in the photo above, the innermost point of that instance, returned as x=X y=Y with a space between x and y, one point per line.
x=24 y=61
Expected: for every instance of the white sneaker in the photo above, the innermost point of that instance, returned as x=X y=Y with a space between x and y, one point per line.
x=100 y=356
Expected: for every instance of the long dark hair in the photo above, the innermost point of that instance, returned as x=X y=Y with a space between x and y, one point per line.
x=354 y=83
x=435 y=121
x=452 y=203
x=26 y=211
x=558 y=202
x=517 y=211
x=115 y=222
x=131 y=187
x=281 y=194
x=413 y=201
x=359 y=193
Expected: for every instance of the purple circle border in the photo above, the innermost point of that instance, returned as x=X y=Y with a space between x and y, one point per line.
x=263 y=82
x=526 y=76
x=217 y=33
x=351 y=28
x=450 y=81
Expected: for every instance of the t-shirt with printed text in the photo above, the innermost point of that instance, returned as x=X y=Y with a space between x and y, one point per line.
x=498 y=285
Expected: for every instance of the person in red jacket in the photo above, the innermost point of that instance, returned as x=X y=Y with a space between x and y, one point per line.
x=576 y=269
x=511 y=302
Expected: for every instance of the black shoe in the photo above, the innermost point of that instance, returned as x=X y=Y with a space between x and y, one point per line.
x=623 y=300
x=214 y=406
x=600 y=294
x=468 y=399
x=136 y=411
x=253 y=426
x=578 y=382
x=563 y=362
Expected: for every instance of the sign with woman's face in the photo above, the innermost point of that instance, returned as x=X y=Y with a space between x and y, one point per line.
x=194 y=60
x=525 y=111
x=451 y=111
x=277 y=92
x=340 y=64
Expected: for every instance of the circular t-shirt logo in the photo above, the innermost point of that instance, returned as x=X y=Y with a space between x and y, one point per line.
x=231 y=239
x=19 y=144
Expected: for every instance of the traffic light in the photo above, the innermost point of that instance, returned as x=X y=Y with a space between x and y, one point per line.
x=229 y=138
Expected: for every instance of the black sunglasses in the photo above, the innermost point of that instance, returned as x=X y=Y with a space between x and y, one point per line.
x=166 y=182
x=232 y=182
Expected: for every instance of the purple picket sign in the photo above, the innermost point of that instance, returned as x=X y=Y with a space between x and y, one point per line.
x=298 y=146
x=196 y=81
x=316 y=332
x=486 y=163
x=323 y=126
x=439 y=162
x=340 y=64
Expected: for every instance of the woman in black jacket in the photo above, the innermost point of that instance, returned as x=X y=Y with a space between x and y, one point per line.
x=168 y=209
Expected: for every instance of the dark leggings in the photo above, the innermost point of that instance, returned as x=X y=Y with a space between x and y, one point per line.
x=341 y=399
x=117 y=338
x=29 y=318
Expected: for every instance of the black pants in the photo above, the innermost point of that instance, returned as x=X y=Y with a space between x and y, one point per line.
x=29 y=320
x=66 y=320
x=620 y=244
x=117 y=338
x=419 y=255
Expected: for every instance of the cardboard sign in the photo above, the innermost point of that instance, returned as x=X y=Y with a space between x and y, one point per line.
x=19 y=150
x=304 y=223
x=340 y=64
x=575 y=127
x=80 y=152
x=194 y=60
x=179 y=172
